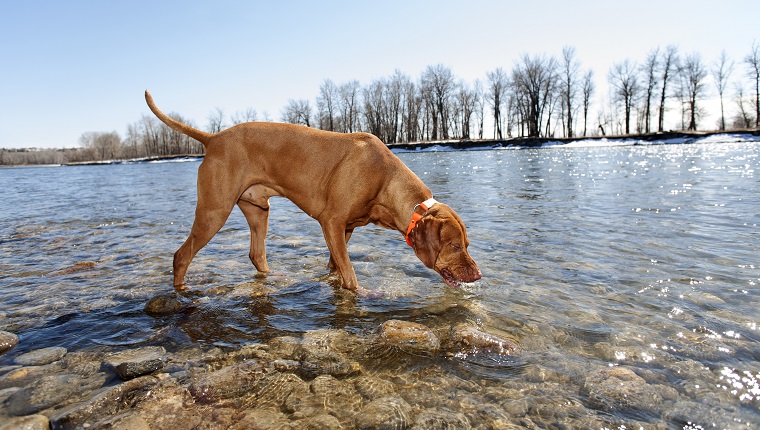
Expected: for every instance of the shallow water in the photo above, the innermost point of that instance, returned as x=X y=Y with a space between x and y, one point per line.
x=644 y=257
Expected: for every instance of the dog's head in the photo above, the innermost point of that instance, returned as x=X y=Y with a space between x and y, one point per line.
x=440 y=241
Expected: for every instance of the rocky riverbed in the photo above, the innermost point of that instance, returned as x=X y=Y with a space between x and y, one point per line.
x=403 y=375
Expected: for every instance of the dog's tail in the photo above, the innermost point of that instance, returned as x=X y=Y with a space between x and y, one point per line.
x=200 y=136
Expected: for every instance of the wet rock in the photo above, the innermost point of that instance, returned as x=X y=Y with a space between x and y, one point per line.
x=131 y=370
x=319 y=422
x=325 y=394
x=226 y=383
x=106 y=402
x=170 y=406
x=385 y=413
x=373 y=388
x=441 y=419
x=47 y=392
x=25 y=375
x=41 y=356
x=319 y=352
x=263 y=419
x=409 y=337
x=8 y=341
x=125 y=421
x=273 y=389
x=619 y=389
x=132 y=363
x=470 y=339
x=30 y=422
x=166 y=304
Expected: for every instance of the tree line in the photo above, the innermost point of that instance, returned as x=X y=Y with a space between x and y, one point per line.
x=541 y=96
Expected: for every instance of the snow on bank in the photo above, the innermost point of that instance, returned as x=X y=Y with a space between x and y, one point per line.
x=587 y=143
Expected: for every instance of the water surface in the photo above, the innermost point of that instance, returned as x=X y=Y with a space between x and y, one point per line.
x=638 y=256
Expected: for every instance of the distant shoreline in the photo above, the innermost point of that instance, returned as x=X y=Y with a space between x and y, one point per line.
x=669 y=137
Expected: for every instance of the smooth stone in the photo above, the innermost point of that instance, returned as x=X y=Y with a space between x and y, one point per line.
x=44 y=393
x=41 y=357
x=385 y=413
x=409 y=337
x=137 y=355
x=106 y=402
x=619 y=389
x=8 y=341
x=166 y=304
x=130 y=370
x=29 y=422
x=466 y=338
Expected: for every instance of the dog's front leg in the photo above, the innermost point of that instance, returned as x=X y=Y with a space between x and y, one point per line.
x=336 y=236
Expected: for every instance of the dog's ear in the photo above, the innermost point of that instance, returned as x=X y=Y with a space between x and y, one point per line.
x=427 y=240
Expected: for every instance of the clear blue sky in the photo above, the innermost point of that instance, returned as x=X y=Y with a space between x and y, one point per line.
x=69 y=67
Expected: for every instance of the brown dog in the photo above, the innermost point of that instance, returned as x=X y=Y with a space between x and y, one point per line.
x=342 y=180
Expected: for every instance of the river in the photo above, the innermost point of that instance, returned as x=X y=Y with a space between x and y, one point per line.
x=639 y=263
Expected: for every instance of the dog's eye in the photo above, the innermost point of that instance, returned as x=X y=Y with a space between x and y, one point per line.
x=455 y=246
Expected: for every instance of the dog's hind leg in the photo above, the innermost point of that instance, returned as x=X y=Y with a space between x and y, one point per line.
x=214 y=207
x=258 y=221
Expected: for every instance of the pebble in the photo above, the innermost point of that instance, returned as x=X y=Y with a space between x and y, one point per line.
x=41 y=357
x=8 y=341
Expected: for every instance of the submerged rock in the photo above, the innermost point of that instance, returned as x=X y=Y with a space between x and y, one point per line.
x=166 y=304
x=8 y=341
x=41 y=357
x=30 y=422
x=469 y=339
x=385 y=413
x=441 y=419
x=619 y=389
x=409 y=337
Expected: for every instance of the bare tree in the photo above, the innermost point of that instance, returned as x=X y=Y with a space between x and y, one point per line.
x=694 y=73
x=721 y=72
x=438 y=84
x=102 y=146
x=247 y=115
x=649 y=68
x=624 y=80
x=466 y=98
x=534 y=80
x=498 y=83
x=743 y=118
x=297 y=112
x=326 y=105
x=668 y=64
x=349 y=107
x=570 y=68
x=753 y=62
x=216 y=121
x=588 y=91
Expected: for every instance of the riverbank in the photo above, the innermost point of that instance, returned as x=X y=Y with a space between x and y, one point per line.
x=669 y=137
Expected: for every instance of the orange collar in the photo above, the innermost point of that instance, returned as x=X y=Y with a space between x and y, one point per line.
x=427 y=204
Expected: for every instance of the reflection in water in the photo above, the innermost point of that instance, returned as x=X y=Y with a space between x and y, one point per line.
x=640 y=257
